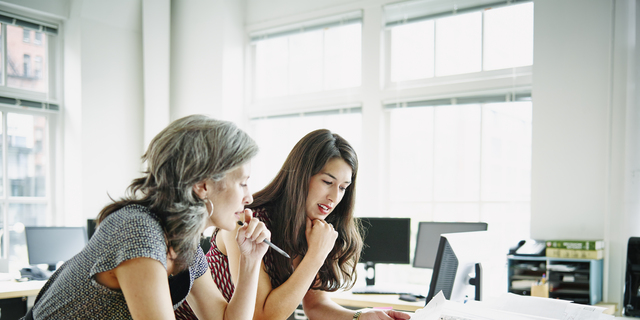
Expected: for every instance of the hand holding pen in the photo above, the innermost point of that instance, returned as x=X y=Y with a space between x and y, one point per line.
x=265 y=240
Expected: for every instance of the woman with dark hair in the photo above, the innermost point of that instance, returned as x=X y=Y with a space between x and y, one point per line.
x=144 y=258
x=309 y=209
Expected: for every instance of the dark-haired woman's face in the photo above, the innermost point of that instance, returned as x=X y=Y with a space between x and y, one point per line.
x=327 y=188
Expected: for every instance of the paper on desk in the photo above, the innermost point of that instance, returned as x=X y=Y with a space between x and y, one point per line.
x=432 y=310
x=536 y=306
x=584 y=312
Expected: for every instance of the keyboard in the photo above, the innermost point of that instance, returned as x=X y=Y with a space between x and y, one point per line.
x=376 y=289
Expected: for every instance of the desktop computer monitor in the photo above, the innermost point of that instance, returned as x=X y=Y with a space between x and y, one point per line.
x=50 y=245
x=458 y=266
x=386 y=240
x=91 y=227
x=429 y=237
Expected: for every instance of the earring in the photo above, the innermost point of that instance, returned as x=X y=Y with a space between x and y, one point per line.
x=211 y=203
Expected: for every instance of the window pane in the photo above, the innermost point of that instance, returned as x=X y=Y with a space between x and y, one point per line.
x=272 y=67
x=506 y=156
x=342 y=56
x=277 y=136
x=3 y=233
x=457 y=153
x=412 y=51
x=1 y=56
x=21 y=215
x=1 y=157
x=411 y=154
x=26 y=158
x=305 y=58
x=308 y=62
x=508 y=37
x=21 y=55
x=458 y=44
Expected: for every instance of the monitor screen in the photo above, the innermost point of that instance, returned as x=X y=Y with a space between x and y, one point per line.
x=386 y=240
x=429 y=237
x=50 y=245
x=91 y=227
x=458 y=266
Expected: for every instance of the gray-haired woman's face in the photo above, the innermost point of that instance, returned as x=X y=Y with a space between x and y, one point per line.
x=229 y=198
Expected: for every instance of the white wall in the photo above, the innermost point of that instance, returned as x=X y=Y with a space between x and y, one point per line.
x=103 y=116
x=585 y=128
x=207 y=42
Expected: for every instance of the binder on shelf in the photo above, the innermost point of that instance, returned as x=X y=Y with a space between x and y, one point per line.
x=576 y=244
x=575 y=254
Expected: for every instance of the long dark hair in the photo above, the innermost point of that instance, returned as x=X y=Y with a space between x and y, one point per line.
x=285 y=201
x=190 y=150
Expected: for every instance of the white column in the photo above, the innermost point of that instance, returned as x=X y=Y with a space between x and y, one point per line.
x=156 y=40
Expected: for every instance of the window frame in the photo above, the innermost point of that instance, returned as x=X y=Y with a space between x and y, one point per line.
x=324 y=100
x=47 y=104
x=469 y=82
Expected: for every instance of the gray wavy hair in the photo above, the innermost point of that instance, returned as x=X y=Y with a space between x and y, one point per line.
x=190 y=150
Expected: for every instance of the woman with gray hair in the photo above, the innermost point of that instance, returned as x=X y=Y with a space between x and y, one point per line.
x=144 y=259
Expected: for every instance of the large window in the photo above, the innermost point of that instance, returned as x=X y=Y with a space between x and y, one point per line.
x=314 y=56
x=444 y=133
x=28 y=124
x=457 y=115
x=437 y=45
x=464 y=162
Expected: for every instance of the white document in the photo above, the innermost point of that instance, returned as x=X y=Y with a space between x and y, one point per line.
x=535 y=306
x=584 y=312
x=433 y=309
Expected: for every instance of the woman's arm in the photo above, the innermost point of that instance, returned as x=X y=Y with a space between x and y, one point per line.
x=318 y=305
x=207 y=302
x=279 y=303
x=205 y=298
x=143 y=282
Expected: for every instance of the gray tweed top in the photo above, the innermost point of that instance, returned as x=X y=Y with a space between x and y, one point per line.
x=131 y=232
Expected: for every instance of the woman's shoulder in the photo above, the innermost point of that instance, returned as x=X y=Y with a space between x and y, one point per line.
x=132 y=216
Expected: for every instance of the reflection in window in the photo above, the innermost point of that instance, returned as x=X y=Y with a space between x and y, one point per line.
x=26 y=35
x=38 y=38
x=26 y=64
x=26 y=155
x=37 y=69
x=20 y=216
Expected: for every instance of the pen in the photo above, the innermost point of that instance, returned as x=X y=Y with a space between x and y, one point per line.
x=280 y=251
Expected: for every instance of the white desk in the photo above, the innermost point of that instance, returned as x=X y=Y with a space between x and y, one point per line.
x=348 y=299
x=14 y=289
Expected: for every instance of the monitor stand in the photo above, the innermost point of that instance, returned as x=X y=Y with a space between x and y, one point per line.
x=477 y=281
x=370 y=268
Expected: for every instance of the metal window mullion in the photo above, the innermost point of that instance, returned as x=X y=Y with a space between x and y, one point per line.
x=482 y=41
x=480 y=194
x=433 y=164
x=5 y=62
x=5 y=185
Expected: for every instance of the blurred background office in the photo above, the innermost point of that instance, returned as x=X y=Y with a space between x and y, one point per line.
x=520 y=114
